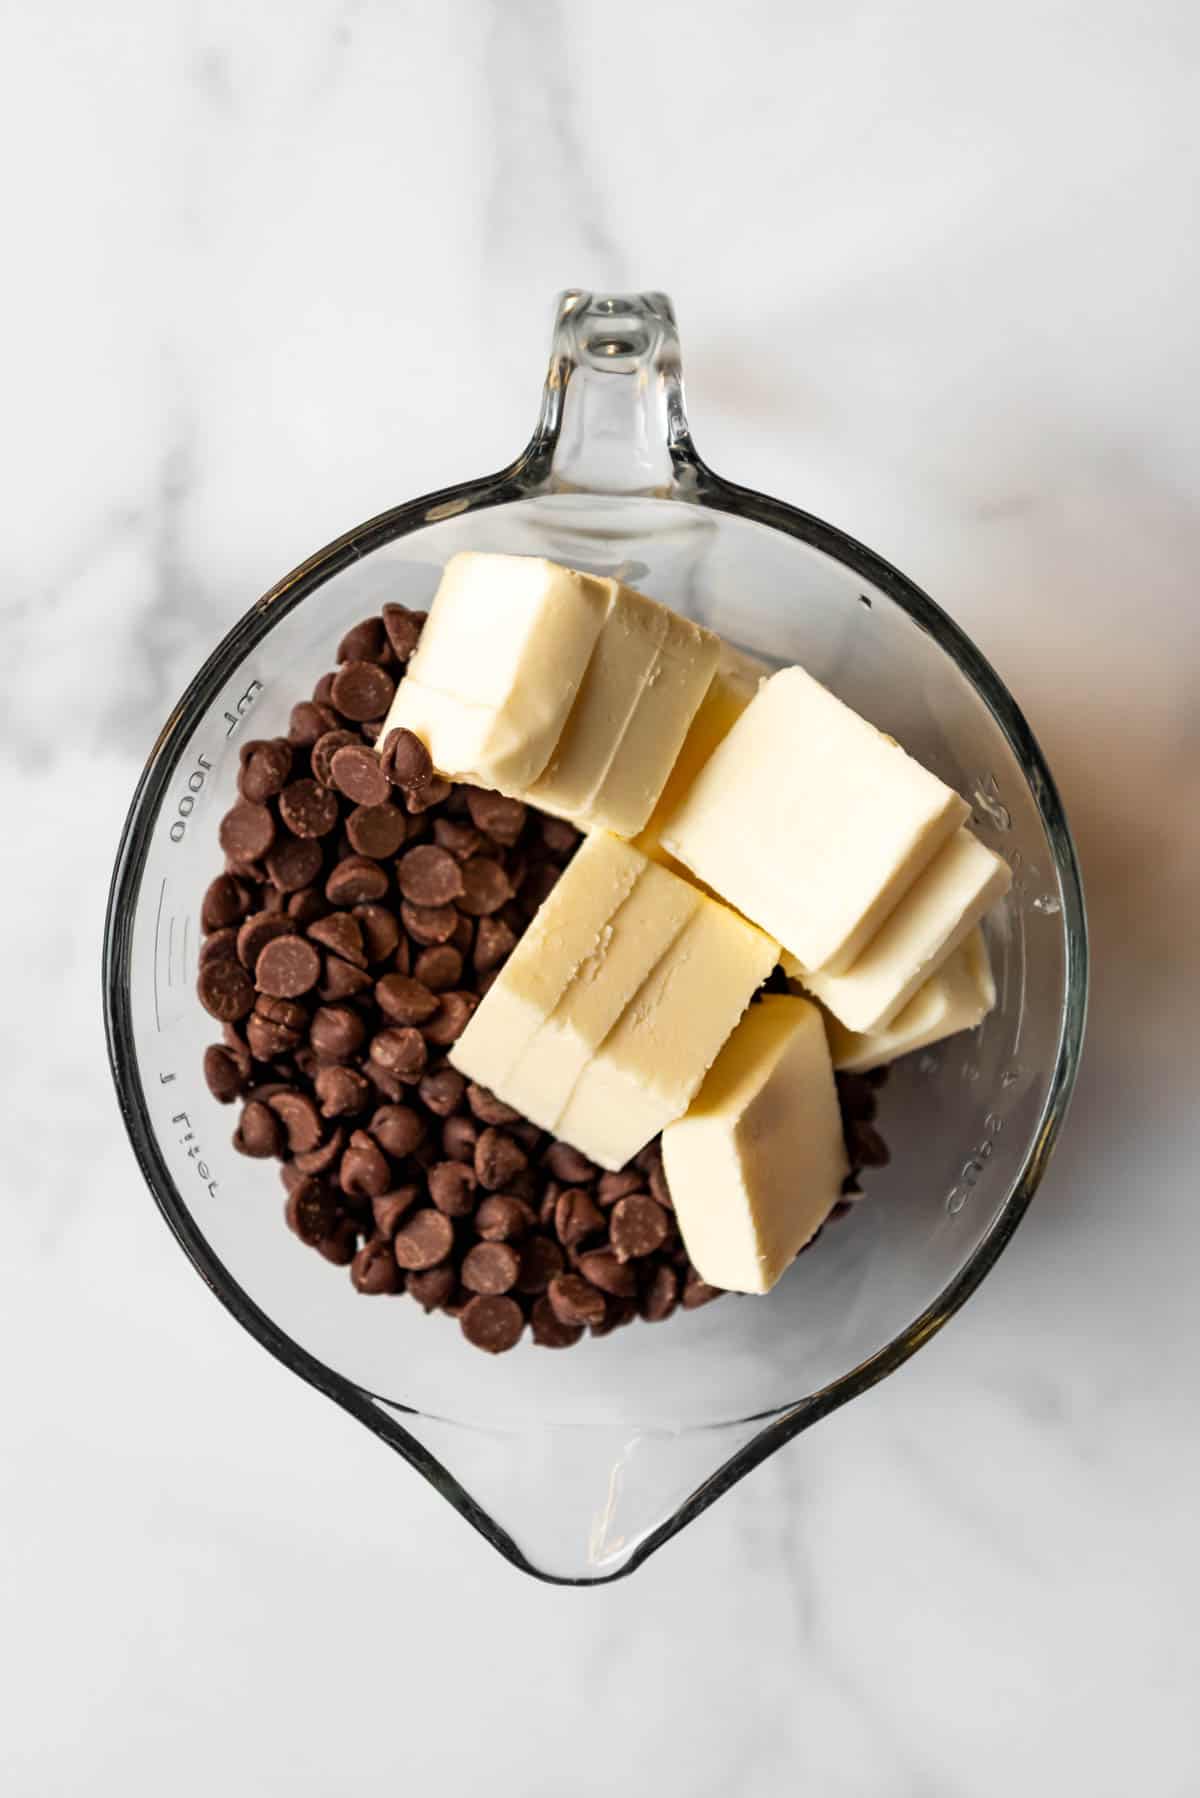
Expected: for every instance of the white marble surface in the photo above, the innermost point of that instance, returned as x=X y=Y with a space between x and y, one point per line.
x=272 y=267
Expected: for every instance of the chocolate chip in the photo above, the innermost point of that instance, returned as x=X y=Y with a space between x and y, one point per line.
x=337 y=1032
x=541 y=1262
x=324 y=750
x=459 y=1137
x=856 y=1096
x=398 y=1129
x=575 y=1302
x=461 y=840
x=300 y=1119
x=374 y=1269
x=261 y=928
x=220 y=946
x=499 y=818
x=500 y=1217
x=341 y=1244
x=400 y=1051
x=433 y=1286
x=362 y=690
x=406 y=761
x=264 y=770
x=576 y=1217
x=365 y=642
x=275 y=1028
x=602 y=1268
x=548 y=1330
x=614 y=1186
x=453 y=1015
x=567 y=1164
x=308 y=809
x=658 y=1185
x=425 y=1239
x=421 y=799
x=247 y=831
x=355 y=881
x=494 y=1324
x=429 y=876
x=442 y=1091
x=560 y=838
x=340 y=933
x=311 y=1212
x=305 y=907
x=342 y=1091
x=376 y=831
x=226 y=990
x=224 y=1081
x=488 y=1108
x=381 y=933
x=259 y=1132
x=490 y=1267
x=452 y=1186
x=294 y=863
x=616 y=1313
x=387 y=1208
x=225 y=901
x=498 y=1159
x=309 y=721
x=403 y=630
x=287 y=967
x=358 y=773
x=427 y=924
x=237 y=1048
x=867 y=1148
x=493 y=943
x=439 y=967
x=405 y=1000
x=322 y=693
x=537 y=887
x=342 y=980
x=485 y=887
x=363 y=1170
x=660 y=1295
x=638 y=1226
x=697 y=1292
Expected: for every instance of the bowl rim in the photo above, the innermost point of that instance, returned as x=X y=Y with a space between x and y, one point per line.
x=526 y=478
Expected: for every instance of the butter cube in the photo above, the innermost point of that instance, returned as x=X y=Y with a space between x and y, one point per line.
x=811 y=821
x=649 y=1067
x=502 y=656
x=647 y=675
x=757 y=1163
x=948 y=900
x=958 y=997
x=633 y=942
x=732 y=688
x=570 y=926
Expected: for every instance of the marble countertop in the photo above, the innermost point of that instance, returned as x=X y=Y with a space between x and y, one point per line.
x=279 y=266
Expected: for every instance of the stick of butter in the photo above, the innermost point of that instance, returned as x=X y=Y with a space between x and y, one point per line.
x=502 y=656
x=958 y=997
x=732 y=688
x=651 y=1064
x=633 y=942
x=811 y=821
x=948 y=900
x=757 y=1163
x=570 y=927
x=647 y=675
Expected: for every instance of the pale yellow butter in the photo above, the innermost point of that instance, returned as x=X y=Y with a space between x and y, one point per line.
x=648 y=674
x=568 y=928
x=757 y=1163
x=633 y=942
x=811 y=821
x=961 y=883
x=649 y=1067
x=732 y=688
x=504 y=650
x=958 y=997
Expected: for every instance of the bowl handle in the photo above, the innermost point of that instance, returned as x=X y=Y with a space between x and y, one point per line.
x=612 y=417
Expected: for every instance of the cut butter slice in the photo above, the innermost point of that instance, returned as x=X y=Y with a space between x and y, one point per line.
x=810 y=821
x=647 y=676
x=649 y=1067
x=502 y=656
x=757 y=1163
x=958 y=997
x=570 y=926
x=633 y=942
x=961 y=883
x=732 y=688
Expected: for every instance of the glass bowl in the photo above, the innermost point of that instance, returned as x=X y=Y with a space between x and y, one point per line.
x=578 y=1466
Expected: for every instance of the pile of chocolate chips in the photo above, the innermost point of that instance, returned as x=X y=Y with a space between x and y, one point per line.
x=365 y=908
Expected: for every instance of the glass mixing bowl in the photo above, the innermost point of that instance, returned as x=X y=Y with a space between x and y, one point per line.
x=578 y=1466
